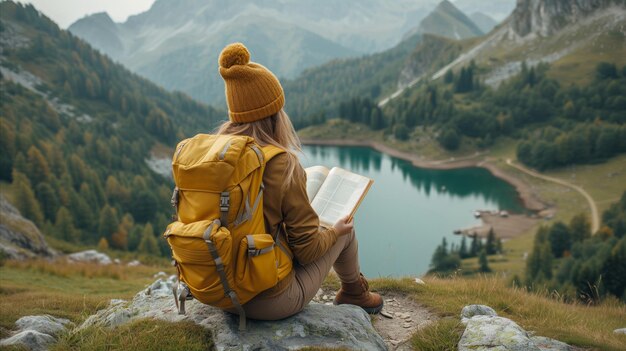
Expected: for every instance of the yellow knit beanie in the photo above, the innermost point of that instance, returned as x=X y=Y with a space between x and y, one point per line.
x=252 y=91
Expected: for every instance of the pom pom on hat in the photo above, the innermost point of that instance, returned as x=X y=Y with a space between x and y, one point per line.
x=234 y=54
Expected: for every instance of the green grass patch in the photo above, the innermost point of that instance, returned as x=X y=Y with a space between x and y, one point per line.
x=442 y=335
x=544 y=313
x=140 y=335
x=61 y=289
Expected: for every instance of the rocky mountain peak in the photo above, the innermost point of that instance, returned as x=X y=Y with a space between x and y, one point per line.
x=545 y=17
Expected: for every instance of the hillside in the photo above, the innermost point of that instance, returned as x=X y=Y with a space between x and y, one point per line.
x=76 y=131
x=175 y=43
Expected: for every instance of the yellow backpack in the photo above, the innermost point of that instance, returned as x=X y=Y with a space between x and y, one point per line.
x=219 y=242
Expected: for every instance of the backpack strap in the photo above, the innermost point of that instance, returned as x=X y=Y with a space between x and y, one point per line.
x=269 y=151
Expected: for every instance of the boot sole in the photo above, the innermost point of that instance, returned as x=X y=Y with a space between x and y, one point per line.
x=368 y=310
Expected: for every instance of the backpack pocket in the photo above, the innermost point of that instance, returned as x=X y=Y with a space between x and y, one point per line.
x=257 y=267
x=196 y=265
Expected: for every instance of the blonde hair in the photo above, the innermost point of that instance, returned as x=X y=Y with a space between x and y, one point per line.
x=275 y=130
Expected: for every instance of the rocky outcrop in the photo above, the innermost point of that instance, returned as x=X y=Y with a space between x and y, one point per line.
x=36 y=332
x=344 y=326
x=19 y=237
x=485 y=331
x=91 y=256
x=543 y=17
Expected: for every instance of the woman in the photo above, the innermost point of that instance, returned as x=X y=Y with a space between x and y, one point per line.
x=255 y=100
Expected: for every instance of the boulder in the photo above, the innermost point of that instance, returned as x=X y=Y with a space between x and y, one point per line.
x=343 y=326
x=470 y=311
x=19 y=237
x=31 y=339
x=486 y=331
x=620 y=331
x=495 y=333
x=90 y=256
x=45 y=324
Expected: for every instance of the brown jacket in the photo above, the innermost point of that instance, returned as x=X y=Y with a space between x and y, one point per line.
x=291 y=205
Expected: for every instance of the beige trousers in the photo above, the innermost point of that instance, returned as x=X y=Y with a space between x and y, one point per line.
x=343 y=257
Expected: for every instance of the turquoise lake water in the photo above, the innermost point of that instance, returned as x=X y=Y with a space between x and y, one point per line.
x=409 y=210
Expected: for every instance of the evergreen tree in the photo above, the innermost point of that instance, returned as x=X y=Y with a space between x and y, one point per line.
x=579 y=228
x=475 y=246
x=108 y=222
x=490 y=246
x=560 y=239
x=7 y=145
x=48 y=200
x=463 y=253
x=148 y=244
x=545 y=260
x=64 y=226
x=38 y=169
x=484 y=263
x=103 y=244
x=25 y=200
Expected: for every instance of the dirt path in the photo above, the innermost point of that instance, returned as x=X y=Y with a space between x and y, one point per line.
x=400 y=319
x=595 y=217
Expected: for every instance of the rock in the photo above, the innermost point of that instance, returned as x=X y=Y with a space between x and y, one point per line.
x=620 y=331
x=495 y=333
x=90 y=256
x=19 y=237
x=340 y=326
x=31 y=339
x=45 y=324
x=470 y=311
x=133 y=263
x=419 y=281
x=547 y=344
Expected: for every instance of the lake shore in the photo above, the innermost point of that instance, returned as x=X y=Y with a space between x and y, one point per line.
x=529 y=199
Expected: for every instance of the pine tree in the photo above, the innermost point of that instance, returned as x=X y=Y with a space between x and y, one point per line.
x=491 y=242
x=579 y=227
x=463 y=250
x=64 y=226
x=545 y=260
x=148 y=244
x=48 y=200
x=25 y=200
x=484 y=263
x=474 y=246
x=38 y=169
x=560 y=240
x=103 y=244
x=108 y=222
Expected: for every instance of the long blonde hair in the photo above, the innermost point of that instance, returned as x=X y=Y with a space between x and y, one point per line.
x=275 y=130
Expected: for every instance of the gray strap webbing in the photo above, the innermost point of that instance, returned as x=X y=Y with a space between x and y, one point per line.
x=247 y=214
x=174 y=202
x=253 y=251
x=279 y=243
x=259 y=153
x=222 y=274
x=224 y=207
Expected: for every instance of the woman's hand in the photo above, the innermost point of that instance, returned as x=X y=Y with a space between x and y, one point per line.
x=343 y=227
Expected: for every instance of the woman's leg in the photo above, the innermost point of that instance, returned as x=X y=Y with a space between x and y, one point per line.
x=343 y=256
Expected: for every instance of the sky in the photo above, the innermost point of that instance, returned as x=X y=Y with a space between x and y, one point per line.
x=66 y=12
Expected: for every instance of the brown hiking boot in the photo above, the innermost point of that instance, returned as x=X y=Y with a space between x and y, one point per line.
x=358 y=293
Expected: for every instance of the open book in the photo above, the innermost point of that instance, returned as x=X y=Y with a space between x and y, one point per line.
x=335 y=193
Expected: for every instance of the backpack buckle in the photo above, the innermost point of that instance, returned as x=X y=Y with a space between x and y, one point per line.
x=224 y=201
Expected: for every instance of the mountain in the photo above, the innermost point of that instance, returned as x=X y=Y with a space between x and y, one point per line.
x=77 y=131
x=573 y=36
x=176 y=43
x=447 y=21
x=484 y=22
x=496 y=9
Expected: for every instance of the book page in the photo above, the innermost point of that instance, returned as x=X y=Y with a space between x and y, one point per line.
x=340 y=195
x=315 y=177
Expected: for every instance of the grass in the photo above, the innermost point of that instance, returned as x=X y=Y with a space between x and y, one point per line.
x=575 y=323
x=72 y=291
x=442 y=335
x=140 y=335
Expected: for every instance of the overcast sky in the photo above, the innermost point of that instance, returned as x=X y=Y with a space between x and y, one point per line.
x=66 y=12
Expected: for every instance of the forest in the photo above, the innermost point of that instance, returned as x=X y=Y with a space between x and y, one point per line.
x=81 y=174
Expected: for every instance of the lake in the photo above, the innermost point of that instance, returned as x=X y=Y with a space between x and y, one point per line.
x=409 y=210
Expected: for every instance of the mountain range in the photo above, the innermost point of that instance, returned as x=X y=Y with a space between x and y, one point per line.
x=176 y=44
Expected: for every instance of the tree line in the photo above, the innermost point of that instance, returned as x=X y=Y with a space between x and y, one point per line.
x=568 y=259
x=81 y=176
